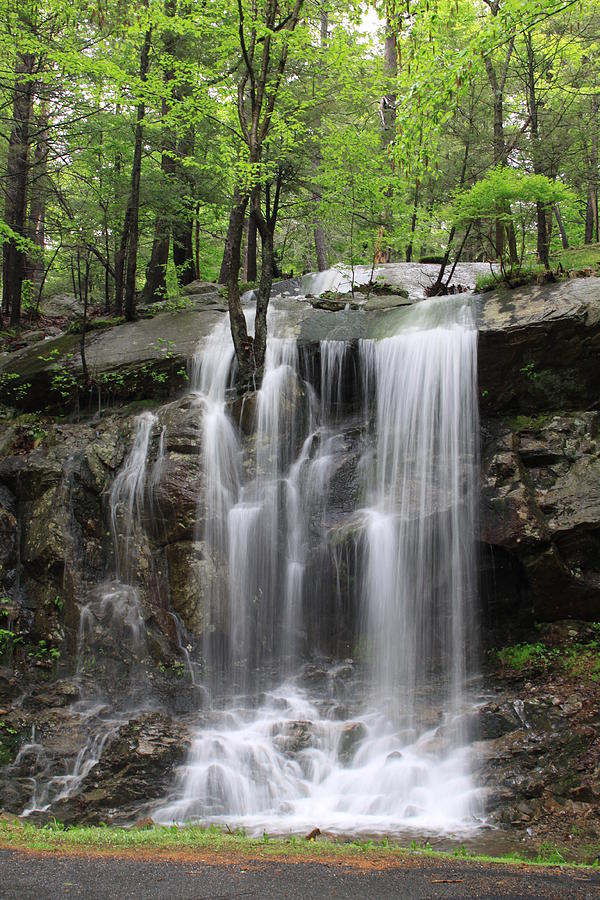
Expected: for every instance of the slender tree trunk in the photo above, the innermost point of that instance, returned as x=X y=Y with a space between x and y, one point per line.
x=230 y=239
x=251 y=249
x=436 y=287
x=543 y=240
x=183 y=251
x=239 y=331
x=155 y=287
x=107 y=252
x=17 y=177
x=413 y=221
x=591 y=213
x=130 y=237
x=319 y=233
x=183 y=243
x=197 y=241
x=37 y=203
x=383 y=252
x=561 y=227
x=497 y=85
x=320 y=248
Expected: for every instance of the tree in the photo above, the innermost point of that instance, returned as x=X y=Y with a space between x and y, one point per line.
x=264 y=39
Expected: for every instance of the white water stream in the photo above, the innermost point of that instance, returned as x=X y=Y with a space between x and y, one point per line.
x=340 y=624
x=373 y=744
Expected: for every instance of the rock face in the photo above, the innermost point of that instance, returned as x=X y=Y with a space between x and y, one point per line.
x=136 y=766
x=540 y=523
x=541 y=514
x=537 y=750
x=540 y=539
x=539 y=348
x=144 y=359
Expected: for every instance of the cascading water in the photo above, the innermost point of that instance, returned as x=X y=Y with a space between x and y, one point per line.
x=335 y=530
x=112 y=620
x=372 y=743
x=418 y=581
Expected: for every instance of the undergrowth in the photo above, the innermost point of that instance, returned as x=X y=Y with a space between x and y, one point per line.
x=15 y=833
x=574 y=660
x=570 y=263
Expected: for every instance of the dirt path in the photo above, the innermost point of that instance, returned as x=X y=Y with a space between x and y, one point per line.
x=40 y=875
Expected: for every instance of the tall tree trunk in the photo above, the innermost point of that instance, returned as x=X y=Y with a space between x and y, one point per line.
x=543 y=237
x=133 y=207
x=183 y=242
x=155 y=287
x=383 y=252
x=37 y=203
x=17 y=176
x=319 y=233
x=230 y=239
x=591 y=213
x=237 y=320
x=497 y=85
x=413 y=221
x=183 y=251
x=251 y=249
x=320 y=248
x=437 y=286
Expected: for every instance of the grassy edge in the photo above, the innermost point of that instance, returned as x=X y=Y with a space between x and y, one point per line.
x=23 y=836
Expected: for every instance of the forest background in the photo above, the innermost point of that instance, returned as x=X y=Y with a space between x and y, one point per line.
x=147 y=145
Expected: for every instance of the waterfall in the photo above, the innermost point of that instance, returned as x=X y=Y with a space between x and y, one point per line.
x=111 y=634
x=339 y=509
x=115 y=605
x=335 y=523
x=419 y=574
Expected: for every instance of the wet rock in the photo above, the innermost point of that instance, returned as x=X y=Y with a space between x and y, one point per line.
x=183 y=422
x=541 y=505
x=293 y=737
x=8 y=538
x=243 y=411
x=175 y=499
x=351 y=736
x=136 y=766
x=394 y=756
x=58 y=694
x=493 y=721
x=193 y=579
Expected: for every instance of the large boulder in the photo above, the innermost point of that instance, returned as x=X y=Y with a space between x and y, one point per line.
x=143 y=359
x=539 y=347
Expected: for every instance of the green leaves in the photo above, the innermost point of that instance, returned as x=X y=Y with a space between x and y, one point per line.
x=494 y=196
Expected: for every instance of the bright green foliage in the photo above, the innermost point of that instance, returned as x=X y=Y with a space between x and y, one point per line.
x=505 y=191
x=323 y=137
x=575 y=660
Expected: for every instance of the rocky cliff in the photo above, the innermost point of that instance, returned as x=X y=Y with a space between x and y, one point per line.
x=539 y=377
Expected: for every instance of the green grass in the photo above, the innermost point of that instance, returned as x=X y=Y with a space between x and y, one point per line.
x=530 y=423
x=585 y=256
x=521 y=657
x=563 y=264
x=575 y=660
x=193 y=838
